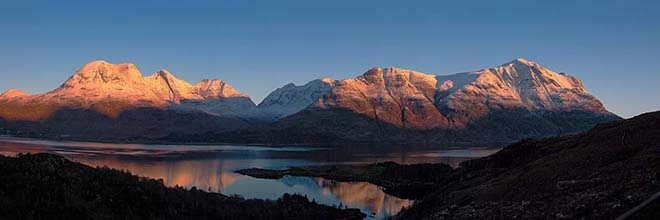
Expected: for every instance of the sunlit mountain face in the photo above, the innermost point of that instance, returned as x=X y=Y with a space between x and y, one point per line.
x=111 y=89
x=104 y=101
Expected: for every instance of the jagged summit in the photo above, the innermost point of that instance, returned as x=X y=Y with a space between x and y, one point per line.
x=290 y=98
x=102 y=82
x=213 y=88
x=327 y=80
x=164 y=73
x=507 y=102
x=414 y=99
x=520 y=61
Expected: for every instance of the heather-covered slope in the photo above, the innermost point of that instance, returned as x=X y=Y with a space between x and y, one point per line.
x=598 y=174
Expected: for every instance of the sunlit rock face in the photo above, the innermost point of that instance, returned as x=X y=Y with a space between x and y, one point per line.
x=398 y=96
x=519 y=84
x=417 y=100
x=115 y=101
x=519 y=99
x=111 y=89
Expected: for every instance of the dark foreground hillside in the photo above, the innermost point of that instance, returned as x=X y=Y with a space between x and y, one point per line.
x=44 y=186
x=599 y=174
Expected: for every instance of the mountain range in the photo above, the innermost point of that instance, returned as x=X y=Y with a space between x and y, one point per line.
x=104 y=101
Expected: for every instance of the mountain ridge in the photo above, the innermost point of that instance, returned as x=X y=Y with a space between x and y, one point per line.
x=99 y=82
x=405 y=99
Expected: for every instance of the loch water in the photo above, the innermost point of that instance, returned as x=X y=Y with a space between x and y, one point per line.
x=211 y=167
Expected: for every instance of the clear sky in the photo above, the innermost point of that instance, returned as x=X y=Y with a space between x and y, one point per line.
x=258 y=46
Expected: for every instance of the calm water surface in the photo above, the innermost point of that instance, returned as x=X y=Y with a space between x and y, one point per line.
x=212 y=167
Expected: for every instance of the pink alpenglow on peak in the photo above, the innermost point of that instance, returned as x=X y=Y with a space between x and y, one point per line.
x=111 y=89
x=217 y=89
x=518 y=99
x=13 y=93
x=418 y=100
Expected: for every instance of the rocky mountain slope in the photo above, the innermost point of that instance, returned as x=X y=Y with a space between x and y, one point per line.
x=412 y=99
x=98 y=84
x=116 y=101
x=519 y=99
x=291 y=99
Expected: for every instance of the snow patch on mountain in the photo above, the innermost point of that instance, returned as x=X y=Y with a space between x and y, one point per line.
x=413 y=99
x=291 y=98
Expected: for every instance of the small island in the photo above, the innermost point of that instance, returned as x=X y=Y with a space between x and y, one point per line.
x=412 y=181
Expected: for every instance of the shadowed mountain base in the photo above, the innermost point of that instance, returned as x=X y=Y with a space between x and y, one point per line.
x=339 y=126
x=141 y=124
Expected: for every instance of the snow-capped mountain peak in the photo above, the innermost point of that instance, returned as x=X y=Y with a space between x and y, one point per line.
x=290 y=98
x=414 y=99
x=102 y=82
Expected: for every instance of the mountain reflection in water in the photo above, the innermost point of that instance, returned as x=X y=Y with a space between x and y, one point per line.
x=212 y=167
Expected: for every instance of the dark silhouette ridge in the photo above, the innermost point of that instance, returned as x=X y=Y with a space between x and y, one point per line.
x=45 y=186
x=598 y=174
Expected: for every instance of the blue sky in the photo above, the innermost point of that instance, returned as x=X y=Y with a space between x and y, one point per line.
x=258 y=46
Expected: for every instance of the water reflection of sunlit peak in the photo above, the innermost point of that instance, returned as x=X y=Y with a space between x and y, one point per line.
x=365 y=194
x=211 y=167
x=228 y=178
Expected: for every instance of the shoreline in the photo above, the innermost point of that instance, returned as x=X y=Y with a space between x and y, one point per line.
x=404 y=181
